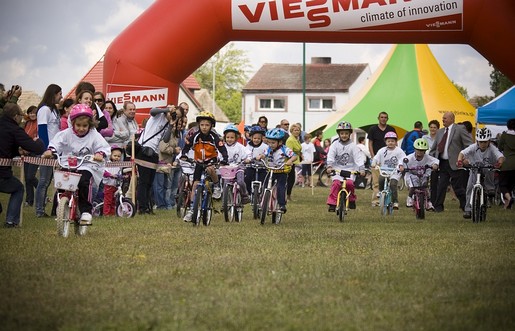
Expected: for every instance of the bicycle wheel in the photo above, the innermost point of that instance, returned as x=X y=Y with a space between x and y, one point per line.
x=324 y=179
x=197 y=206
x=63 y=217
x=388 y=203
x=265 y=203
x=227 y=203
x=476 y=204
x=277 y=216
x=419 y=202
x=342 y=206
x=255 y=201
x=126 y=208
x=238 y=208
x=98 y=208
x=207 y=211
x=383 y=205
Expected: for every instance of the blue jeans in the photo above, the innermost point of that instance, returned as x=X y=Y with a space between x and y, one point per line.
x=46 y=174
x=161 y=187
x=15 y=188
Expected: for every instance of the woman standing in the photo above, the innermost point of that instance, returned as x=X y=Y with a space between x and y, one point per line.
x=507 y=174
x=293 y=142
x=48 y=118
x=434 y=125
x=31 y=182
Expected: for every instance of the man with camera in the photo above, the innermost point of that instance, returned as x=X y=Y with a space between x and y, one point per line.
x=9 y=96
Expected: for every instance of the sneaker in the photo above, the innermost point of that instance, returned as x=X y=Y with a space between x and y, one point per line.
x=332 y=208
x=85 y=219
x=217 y=192
x=188 y=216
x=467 y=215
x=10 y=225
x=429 y=206
x=352 y=204
x=396 y=205
x=409 y=202
x=282 y=209
x=245 y=200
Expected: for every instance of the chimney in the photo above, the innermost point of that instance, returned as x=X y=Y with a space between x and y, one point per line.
x=320 y=60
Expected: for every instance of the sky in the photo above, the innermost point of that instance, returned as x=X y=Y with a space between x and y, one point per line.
x=58 y=41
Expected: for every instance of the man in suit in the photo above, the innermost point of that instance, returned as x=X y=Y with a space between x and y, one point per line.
x=449 y=142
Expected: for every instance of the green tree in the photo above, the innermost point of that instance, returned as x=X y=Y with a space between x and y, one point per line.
x=230 y=67
x=498 y=81
x=463 y=91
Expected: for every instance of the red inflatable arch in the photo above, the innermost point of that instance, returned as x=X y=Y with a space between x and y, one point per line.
x=172 y=38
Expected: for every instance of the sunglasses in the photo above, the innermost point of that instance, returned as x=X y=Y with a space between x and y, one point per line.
x=99 y=100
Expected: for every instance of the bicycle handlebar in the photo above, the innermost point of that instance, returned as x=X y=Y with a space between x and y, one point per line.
x=74 y=165
x=343 y=173
x=265 y=163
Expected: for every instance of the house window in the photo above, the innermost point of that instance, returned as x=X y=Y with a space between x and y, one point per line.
x=272 y=104
x=320 y=104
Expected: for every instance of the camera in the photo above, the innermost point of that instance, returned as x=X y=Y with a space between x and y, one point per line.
x=13 y=89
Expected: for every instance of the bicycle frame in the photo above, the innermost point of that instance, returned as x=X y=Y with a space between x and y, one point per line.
x=203 y=198
x=232 y=206
x=478 y=195
x=420 y=194
x=269 y=203
x=385 y=200
x=185 y=189
x=342 y=200
x=255 y=189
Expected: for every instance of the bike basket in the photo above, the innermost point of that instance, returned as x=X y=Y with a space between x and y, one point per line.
x=187 y=168
x=228 y=172
x=387 y=171
x=65 y=180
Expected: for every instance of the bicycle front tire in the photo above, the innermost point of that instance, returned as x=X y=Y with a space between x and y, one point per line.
x=63 y=217
x=227 y=203
x=342 y=206
x=207 y=211
x=476 y=204
x=255 y=201
x=126 y=208
x=197 y=206
x=420 y=206
x=265 y=204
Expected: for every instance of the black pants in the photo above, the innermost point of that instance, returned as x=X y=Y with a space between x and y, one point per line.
x=457 y=179
x=145 y=181
x=292 y=175
x=84 y=202
x=31 y=181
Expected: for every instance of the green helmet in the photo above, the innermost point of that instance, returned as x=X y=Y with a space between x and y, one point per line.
x=421 y=144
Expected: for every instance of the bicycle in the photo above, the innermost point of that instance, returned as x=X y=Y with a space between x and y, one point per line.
x=124 y=206
x=255 y=192
x=342 y=201
x=203 y=198
x=385 y=196
x=231 y=203
x=269 y=203
x=185 y=187
x=66 y=181
x=478 y=198
x=420 y=191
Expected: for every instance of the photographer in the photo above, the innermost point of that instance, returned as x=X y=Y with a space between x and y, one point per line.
x=9 y=96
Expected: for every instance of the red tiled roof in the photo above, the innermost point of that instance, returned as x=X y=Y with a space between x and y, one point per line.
x=191 y=83
x=319 y=77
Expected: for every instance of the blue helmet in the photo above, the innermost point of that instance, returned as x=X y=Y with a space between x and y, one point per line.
x=231 y=128
x=275 y=134
x=256 y=129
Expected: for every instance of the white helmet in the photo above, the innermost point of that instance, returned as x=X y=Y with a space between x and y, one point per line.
x=483 y=134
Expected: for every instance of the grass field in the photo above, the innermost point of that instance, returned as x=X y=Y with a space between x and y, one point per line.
x=309 y=273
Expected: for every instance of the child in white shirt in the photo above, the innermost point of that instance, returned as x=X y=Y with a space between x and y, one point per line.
x=236 y=155
x=308 y=153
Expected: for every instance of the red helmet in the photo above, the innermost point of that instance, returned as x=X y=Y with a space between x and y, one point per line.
x=390 y=135
x=80 y=110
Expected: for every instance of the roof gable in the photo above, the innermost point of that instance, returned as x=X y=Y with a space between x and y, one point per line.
x=319 y=77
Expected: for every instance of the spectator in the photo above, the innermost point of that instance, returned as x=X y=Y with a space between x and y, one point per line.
x=125 y=126
x=364 y=150
x=99 y=100
x=320 y=151
x=410 y=137
x=507 y=174
x=9 y=96
x=375 y=142
x=449 y=142
x=434 y=125
x=48 y=118
x=30 y=170
x=97 y=112
x=65 y=112
x=13 y=137
x=110 y=107
x=263 y=122
x=293 y=143
x=308 y=152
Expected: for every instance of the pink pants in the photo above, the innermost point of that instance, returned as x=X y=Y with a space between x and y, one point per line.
x=335 y=188
x=109 y=202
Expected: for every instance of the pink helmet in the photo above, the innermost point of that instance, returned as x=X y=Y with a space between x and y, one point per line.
x=390 y=135
x=80 y=110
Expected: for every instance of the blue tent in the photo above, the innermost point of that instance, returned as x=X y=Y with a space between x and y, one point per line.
x=499 y=110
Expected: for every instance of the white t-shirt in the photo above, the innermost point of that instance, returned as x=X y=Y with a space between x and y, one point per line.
x=308 y=151
x=236 y=153
x=52 y=119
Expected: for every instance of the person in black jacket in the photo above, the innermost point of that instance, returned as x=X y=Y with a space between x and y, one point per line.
x=13 y=137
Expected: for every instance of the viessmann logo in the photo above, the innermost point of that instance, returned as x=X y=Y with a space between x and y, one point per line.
x=337 y=15
x=142 y=98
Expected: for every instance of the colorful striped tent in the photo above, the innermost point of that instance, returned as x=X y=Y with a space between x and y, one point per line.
x=410 y=86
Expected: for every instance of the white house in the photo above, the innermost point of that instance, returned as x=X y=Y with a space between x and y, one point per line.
x=276 y=91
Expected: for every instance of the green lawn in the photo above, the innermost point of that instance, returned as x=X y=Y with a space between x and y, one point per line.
x=309 y=273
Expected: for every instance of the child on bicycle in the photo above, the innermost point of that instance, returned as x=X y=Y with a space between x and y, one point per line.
x=237 y=154
x=480 y=153
x=344 y=154
x=278 y=155
x=109 y=182
x=79 y=140
x=418 y=159
x=389 y=156
x=206 y=145
x=255 y=148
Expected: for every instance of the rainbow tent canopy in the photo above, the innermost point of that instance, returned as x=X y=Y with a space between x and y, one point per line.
x=410 y=86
